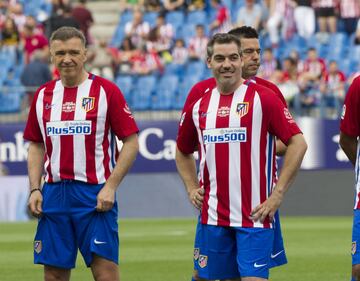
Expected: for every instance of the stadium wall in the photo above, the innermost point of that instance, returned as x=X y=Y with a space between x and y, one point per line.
x=324 y=186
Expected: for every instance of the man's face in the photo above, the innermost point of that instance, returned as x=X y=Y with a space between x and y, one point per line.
x=250 y=48
x=226 y=64
x=68 y=57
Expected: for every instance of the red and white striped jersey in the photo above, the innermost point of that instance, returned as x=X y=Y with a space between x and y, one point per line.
x=350 y=125
x=235 y=135
x=78 y=127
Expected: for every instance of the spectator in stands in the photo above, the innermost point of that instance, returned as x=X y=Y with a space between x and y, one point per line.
x=269 y=64
x=100 y=61
x=357 y=34
x=222 y=21
x=174 y=5
x=146 y=62
x=197 y=44
x=304 y=16
x=137 y=29
x=179 y=53
x=249 y=15
x=84 y=17
x=34 y=41
x=193 y=5
x=16 y=13
x=152 y=6
x=161 y=36
x=350 y=13
x=333 y=91
x=35 y=73
x=63 y=17
x=130 y=5
x=281 y=15
x=10 y=37
x=325 y=11
x=123 y=57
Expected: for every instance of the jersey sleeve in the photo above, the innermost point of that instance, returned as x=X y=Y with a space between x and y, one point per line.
x=187 y=136
x=122 y=121
x=350 y=119
x=193 y=95
x=32 y=129
x=281 y=123
x=272 y=87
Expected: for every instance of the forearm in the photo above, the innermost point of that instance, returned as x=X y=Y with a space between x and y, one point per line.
x=124 y=162
x=349 y=146
x=186 y=167
x=292 y=160
x=35 y=164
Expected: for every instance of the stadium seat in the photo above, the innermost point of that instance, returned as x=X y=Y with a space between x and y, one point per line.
x=10 y=101
x=150 y=17
x=176 y=18
x=141 y=99
x=147 y=82
x=164 y=98
x=195 y=68
x=196 y=17
x=125 y=83
x=186 y=31
x=176 y=69
x=183 y=91
x=125 y=17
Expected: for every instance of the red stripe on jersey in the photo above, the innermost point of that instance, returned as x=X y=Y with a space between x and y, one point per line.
x=203 y=108
x=222 y=171
x=47 y=101
x=245 y=157
x=67 y=141
x=90 y=140
x=106 y=143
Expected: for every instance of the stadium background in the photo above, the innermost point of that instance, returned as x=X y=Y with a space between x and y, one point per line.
x=318 y=247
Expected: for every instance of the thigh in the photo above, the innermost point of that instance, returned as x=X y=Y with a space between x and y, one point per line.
x=96 y=232
x=217 y=254
x=55 y=241
x=355 y=250
x=56 y=274
x=254 y=246
x=103 y=269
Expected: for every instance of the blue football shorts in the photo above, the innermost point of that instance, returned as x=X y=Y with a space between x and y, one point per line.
x=70 y=222
x=231 y=252
x=355 y=251
x=278 y=254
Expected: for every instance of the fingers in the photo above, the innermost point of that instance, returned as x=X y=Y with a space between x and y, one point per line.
x=103 y=206
x=197 y=198
x=35 y=206
x=261 y=212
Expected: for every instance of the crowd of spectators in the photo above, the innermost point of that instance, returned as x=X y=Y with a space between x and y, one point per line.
x=159 y=35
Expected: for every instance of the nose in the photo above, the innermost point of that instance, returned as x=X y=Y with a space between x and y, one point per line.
x=226 y=63
x=67 y=58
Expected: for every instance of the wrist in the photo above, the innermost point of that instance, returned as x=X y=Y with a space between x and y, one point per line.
x=32 y=190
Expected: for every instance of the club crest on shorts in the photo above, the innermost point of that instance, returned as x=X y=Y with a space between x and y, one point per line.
x=88 y=103
x=37 y=246
x=353 y=248
x=196 y=253
x=203 y=261
x=242 y=108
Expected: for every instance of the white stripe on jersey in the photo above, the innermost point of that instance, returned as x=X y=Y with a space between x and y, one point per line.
x=100 y=129
x=234 y=168
x=58 y=96
x=40 y=108
x=211 y=164
x=79 y=142
x=255 y=157
x=357 y=176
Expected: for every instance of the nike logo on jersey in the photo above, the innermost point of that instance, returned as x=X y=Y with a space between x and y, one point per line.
x=274 y=256
x=259 y=265
x=48 y=106
x=98 y=242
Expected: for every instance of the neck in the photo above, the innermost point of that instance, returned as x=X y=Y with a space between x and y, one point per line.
x=76 y=81
x=228 y=89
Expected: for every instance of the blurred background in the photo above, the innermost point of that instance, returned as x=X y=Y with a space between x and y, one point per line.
x=154 y=50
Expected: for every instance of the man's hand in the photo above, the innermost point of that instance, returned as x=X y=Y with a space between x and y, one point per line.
x=105 y=199
x=35 y=203
x=196 y=197
x=267 y=208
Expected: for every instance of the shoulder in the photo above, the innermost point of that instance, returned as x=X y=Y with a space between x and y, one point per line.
x=107 y=85
x=205 y=84
x=265 y=85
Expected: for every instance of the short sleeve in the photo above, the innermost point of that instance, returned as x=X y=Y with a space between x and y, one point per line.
x=350 y=118
x=187 y=136
x=32 y=129
x=122 y=122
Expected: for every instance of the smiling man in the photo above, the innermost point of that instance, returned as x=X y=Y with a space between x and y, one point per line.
x=71 y=127
x=234 y=127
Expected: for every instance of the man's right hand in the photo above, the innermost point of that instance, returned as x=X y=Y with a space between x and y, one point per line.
x=35 y=203
x=196 y=197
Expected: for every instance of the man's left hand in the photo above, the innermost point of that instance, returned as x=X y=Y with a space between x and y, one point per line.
x=105 y=199
x=267 y=208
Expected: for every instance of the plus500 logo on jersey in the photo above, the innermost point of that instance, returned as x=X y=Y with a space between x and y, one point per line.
x=64 y=128
x=224 y=135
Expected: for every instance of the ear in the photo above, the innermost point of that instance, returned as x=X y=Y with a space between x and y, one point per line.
x=208 y=62
x=85 y=55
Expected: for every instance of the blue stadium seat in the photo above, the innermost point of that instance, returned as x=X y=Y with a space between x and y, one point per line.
x=142 y=98
x=183 y=91
x=176 y=18
x=186 y=31
x=176 y=69
x=10 y=101
x=125 y=83
x=164 y=98
x=125 y=17
x=196 y=17
x=147 y=82
x=117 y=37
x=150 y=17
x=195 y=68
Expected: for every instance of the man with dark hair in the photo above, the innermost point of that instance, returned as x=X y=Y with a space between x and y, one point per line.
x=72 y=127
x=234 y=126
x=250 y=49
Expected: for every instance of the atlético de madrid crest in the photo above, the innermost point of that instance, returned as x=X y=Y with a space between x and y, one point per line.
x=88 y=103
x=242 y=108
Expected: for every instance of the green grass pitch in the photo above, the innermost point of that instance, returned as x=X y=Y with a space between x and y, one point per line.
x=318 y=248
